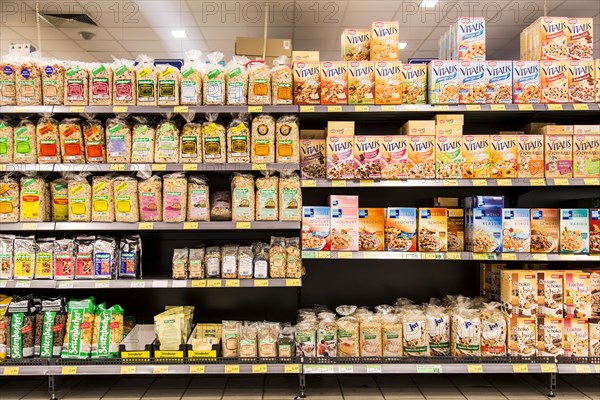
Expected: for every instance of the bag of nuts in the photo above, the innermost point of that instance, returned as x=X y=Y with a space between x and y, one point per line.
x=53 y=76
x=294 y=267
x=191 y=79
x=100 y=84
x=76 y=85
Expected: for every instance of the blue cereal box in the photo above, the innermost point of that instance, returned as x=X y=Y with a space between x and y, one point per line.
x=516 y=230
x=316 y=227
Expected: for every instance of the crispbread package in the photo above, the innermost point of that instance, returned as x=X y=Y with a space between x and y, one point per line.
x=80 y=323
x=108 y=331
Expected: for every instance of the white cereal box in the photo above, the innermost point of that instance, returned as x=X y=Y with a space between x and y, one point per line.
x=344 y=222
x=442 y=82
x=586 y=156
x=395 y=157
x=574 y=230
x=414 y=84
x=385 y=38
x=476 y=156
x=448 y=157
x=472 y=82
x=340 y=157
x=576 y=337
x=470 y=36
x=580 y=38
x=504 y=153
x=334 y=82
x=499 y=81
x=554 y=82
x=421 y=157
x=316 y=227
x=586 y=129
x=550 y=337
x=368 y=157
x=515 y=230
x=356 y=44
x=531 y=156
x=581 y=81
x=361 y=82
x=307 y=82
x=388 y=82
x=558 y=156
x=526 y=82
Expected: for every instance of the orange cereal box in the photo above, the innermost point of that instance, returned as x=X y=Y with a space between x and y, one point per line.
x=361 y=82
x=395 y=157
x=356 y=44
x=550 y=337
x=421 y=157
x=581 y=81
x=334 y=82
x=414 y=84
x=545 y=230
x=400 y=229
x=385 y=38
x=476 y=156
x=433 y=229
x=580 y=38
x=504 y=153
x=307 y=82
x=554 y=82
x=550 y=38
x=371 y=226
x=388 y=82
x=531 y=156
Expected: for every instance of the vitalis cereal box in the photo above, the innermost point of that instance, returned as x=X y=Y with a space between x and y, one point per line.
x=334 y=82
x=419 y=128
x=558 y=156
x=470 y=37
x=414 y=84
x=519 y=292
x=550 y=294
x=433 y=229
x=456 y=229
x=448 y=157
x=576 y=337
x=574 y=230
x=581 y=81
x=554 y=82
x=356 y=44
x=395 y=157
x=522 y=338
x=472 y=82
x=595 y=286
x=400 y=229
x=499 y=81
x=504 y=153
x=526 y=82
x=586 y=156
x=421 y=157
x=476 y=156
x=545 y=230
x=530 y=156
x=371 y=226
x=312 y=158
x=578 y=294
x=442 y=76
x=385 y=38
x=597 y=69
x=586 y=129
x=550 y=337
x=580 y=38
x=594 y=325
x=344 y=222
x=361 y=82
x=340 y=157
x=595 y=238
x=550 y=40
x=484 y=229
x=316 y=228
x=388 y=82
x=515 y=230
x=307 y=82
x=368 y=157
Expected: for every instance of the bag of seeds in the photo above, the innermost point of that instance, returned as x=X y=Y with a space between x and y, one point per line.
x=21 y=327
x=50 y=327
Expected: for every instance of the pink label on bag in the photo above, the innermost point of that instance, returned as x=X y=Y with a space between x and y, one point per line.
x=149 y=209
x=173 y=206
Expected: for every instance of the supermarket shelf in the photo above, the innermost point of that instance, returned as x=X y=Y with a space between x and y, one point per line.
x=325 y=183
x=143 y=109
x=441 y=256
x=156 y=226
x=504 y=368
x=150 y=167
x=585 y=365
x=148 y=283
x=27 y=226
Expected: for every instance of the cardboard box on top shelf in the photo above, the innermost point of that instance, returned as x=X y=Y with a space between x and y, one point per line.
x=554 y=81
x=312 y=133
x=499 y=81
x=419 y=128
x=305 y=56
x=388 y=82
x=472 y=82
x=547 y=39
x=307 y=82
x=526 y=82
x=252 y=47
x=580 y=38
x=361 y=82
x=535 y=128
x=356 y=44
x=368 y=156
x=557 y=130
x=395 y=155
x=442 y=82
x=597 y=73
x=448 y=130
x=340 y=156
x=371 y=225
x=450 y=119
x=581 y=81
x=470 y=38
x=385 y=38
x=421 y=157
x=334 y=82
x=586 y=129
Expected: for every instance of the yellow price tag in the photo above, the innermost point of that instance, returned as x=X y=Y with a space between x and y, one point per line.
x=180 y=109
x=537 y=182
x=190 y=167
x=291 y=368
x=77 y=109
x=190 y=225
x=580 y=106
x=259 y=369
x=11 y=371
x=539 y=257
x=232 y=283
x=388 y=108
x=338 y=183
x=30 y=226
x=366 y=182
x=441 y=107
x=232 y=369
x=344 y=254
x=261 y=283
x=433 y=256
x=334 y=108
x=555 y=107
x=509 y=256
x=591 y=181
x=309 y=183
x=255 y=109
x=160 y=369
x=292 y=282
x=159 y=167
x=198 y=283
x=68 y=371
x=307 y=108
x=259 y=167
x=323 y=254
x=450 y=182
x=498 y=107
x=117 y=167
x=19 y=109
x=213 y=283
x=243 y=225
x=146 y=225
x=520 y=368
x=484 y=256
x=473 y=107
x=2 y=167
x=548 y=368
x=525 y=107
x=119 y=109
x=475 y=369
x=504 y=182
x=128 y=369
x=361 y=108
x=196 y=369
x=479 y=182
x=561 y=181
x=453 y=255
x=583 y=369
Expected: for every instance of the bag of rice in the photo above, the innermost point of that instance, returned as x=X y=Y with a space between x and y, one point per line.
x=237 y=80
x=76 y=85
x=166 y=148
x=71 y=141
x=100 y=84
x=124 y=84
x=103 y=203
x=150 y=199
x=213 y=80
x=213 y=138
x=7 y=133
x=80 y=198
x=191 y=79
x=168 y=85
x=191 y=140
x=118 y=140
x=94 y=138
x=48 y=140
x=174 y=197
x=126 y=199
x=142 y=145
x=53 y=75
x=25 y=142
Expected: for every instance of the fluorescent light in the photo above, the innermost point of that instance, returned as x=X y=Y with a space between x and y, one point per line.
x=402 y=45
x=179 y=34
x=429 y=3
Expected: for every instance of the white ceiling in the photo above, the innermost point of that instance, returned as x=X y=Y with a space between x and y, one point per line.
x=127 y=28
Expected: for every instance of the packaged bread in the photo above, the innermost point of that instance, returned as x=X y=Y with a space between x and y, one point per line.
x=150 y=199
x=71 y=141
x=100 y=85
x=142 y=143
x=263 y=139
x=146 y=77
x=59 y=196
x=198 y=208
x=174 y=197
x=126 y=199
x=166 y=146
x=281 y=82
x=29 y=84
x=94 y=139
x=53 y=81
x=213 y=140
x=236 y=77
x=76 y=85
x=8 y=92
x=213 y=89
x=80 y=198
x=191 y=140
x=9 y=199
x=267 y=199
x=290 y=197
x=124 y=89
x=242 y=195
x=238 y=140
x=103 y=199
x=191 y=79
x=287 y=140
x=259 y=83
x=220 y=206
x=168 y=85
x=118 y=140
x=48 y=140
x=25 y=143
x=7 y=150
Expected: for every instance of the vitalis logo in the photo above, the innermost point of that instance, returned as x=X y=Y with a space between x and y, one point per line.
x=309 y=150
x=333 y=72
x=581 y=145
x=576 y=28
x=385 y=70
x=359 y=72
x=408 y=73
x=555 y=145
x=471 y=144
x=470 y=28
x=503 y=146
x=527 y=145
x=423 y=146
x=341 y=146
x=303 y=72
x=354 y=39
x=381 y=31
x=550 y=27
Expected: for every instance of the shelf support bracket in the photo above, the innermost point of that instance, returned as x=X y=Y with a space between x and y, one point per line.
x=552 y=385
x=51 y=387
x=302 y=385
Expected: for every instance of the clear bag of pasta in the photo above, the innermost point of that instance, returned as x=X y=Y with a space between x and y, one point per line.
x=259 y=83
x=281 y=81
x=237 y=80
x=192 y=78
x=214 y=80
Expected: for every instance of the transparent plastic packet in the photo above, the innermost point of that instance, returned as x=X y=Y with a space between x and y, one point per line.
x=192 y=78
x=371 y=343
x=7 y=137
x=277 y=258
x=213 y=90
x=287 y=139
x=198 y=199
x=220 y=206
x=150 y=198
x=25 y=143
x=103 y=200
x=9 y=198
x=268 y=335
x=294 y=268
x=306 y=339
x=71 y=141
x=124 y=89
x=191 y=140
x=327 y=337
x=100 y=84
x=8 y=89
x=168 y=85
x=126 y=199
x=53 y=82
x=180 y=263
x=245 y=262
x=229 y=261
x=175 y=197
x=267 y=198
x=466 y=332
x=290 y=197
x=94 y=139
x=142 y=143
x=147 y=79
x=214 y=140
x=166 y=146
x=261 y=260
x=29 y=82
x=76 y=84
x=196 y=263
x=242 y=197
x=281 y=82
x=437 y=326
x=118 y=140
x=263 y=139
x=414 y=337
x=231 y=338
x=238 y=139
x=48 y=140
x=80 y=197
x=236 y=75
x=212 y=261
x=494 y=330
x=34 y=199
x=259 y=83
x=59 y=198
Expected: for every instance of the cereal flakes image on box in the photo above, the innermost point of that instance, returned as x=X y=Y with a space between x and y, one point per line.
x=316 y=226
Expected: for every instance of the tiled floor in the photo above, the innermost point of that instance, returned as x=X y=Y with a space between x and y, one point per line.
x=327 y=387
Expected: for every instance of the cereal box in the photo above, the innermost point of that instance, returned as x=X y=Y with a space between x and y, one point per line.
x=356 y=44
x=414 y=84
x=545 y=229
x=368 y=157
x=595 y=287
x=515 y=230
x=530 y=157
x=448 y=130
x=552 y=41
x=581 y=81
x=388 y=82
x=586 y=129
x=340 y=128
x=483 y=202
x=472 y=82
x=361 y=82
x=522 y=340
x=421 y=157
x=307 y=82
x=574 y=230
x=395 y=157
x=586 y=156
x=316 y=226
x=485 y=233
x=499 y=81
x=578 y=294
x=371 y=226
x=344 y=222
x=594 y=324
x=476 y=156
x=442 y=78
x=384 y=41
x=504 y=154
x=526 y=82
x=305 y=56
x=490 y=276
x=576 y=337
x=334 y=82
x=449 y=119
x=340 y=157
x=419 y=128
x=558 y=156
x=448 y=157
x=554 y=82
x=456 y=229
x=312 y=158
x=580 y=38
x=518 y=291
x=400 y=229
x=557 y=130
x=433 y=229
x=550 y=337
x=550 y=294
x=597 y=68
x=470 y=36
x=595 y=238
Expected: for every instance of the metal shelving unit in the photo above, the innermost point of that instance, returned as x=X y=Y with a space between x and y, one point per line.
x=148 y=283
x=143 y=109
x=533 y=182
x=148 y=226
x=233 y=167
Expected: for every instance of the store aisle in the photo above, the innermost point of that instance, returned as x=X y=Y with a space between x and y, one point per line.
x=326 y=387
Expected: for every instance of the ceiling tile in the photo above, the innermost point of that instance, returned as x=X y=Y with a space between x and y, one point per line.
x=107 y=56
x=100 y=45
x=117 y=20
x=136 y=46
x=316 y=34
x=383 y=6
x=134 y=34
x=100 y=33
